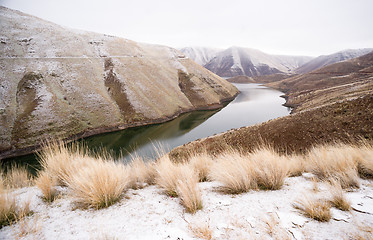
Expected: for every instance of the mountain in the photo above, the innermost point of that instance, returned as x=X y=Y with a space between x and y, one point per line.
x=200 y=55
x=236 y=61
x=344 y=80
x=326 y=60
x=62 y=83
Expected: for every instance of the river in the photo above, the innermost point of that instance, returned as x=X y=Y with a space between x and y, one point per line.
x=254 y=104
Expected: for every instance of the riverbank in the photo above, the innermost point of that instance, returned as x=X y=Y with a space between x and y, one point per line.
x=347 y=121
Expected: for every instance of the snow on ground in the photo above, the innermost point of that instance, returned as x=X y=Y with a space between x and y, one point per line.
x=149 y=214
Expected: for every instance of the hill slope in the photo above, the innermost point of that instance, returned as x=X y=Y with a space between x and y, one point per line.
x=326 y=60
x=333 y=83
x=200 y=55
x=58 y=82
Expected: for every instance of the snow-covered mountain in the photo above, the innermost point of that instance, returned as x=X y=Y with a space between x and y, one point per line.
x=236 y=61
x=200 y=55
x=325 y=60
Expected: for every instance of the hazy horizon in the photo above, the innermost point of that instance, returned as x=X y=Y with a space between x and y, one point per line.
x=287 y=27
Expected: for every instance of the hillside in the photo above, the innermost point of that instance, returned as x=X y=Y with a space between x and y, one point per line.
x=326 y=60
x=62 y=83
x=200 y=55
x=333 y=83
x=236 y=61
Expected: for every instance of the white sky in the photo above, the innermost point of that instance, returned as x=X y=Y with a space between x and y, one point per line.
x=293 y=27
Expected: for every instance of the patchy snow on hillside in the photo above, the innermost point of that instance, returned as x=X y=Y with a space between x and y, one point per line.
x=149 y=214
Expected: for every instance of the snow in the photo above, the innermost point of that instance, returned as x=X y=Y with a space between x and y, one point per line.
x=149 y=214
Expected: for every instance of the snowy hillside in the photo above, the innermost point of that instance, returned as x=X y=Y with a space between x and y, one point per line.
x=59 y=82
x=325 y=60
x=237 y=61
x=200 y=55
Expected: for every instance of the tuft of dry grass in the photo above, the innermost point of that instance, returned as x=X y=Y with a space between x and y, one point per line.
x=334 y=162
x=314 y=208
x=167 y=175
x=270 y=168
x=10 y=212
x=235 y=172
x=201 y=164
x=46 y=184
x=338 y=198
x=187 y=189
x=141 y=173
x=296 y=165
x=201 y=231
x=364 y=160
x=61 y=161
x=99 y=185
x=15 y=177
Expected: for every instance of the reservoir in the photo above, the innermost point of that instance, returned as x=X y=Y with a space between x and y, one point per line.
x=255 y=104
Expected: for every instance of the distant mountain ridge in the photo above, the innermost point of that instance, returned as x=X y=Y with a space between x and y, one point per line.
x=237 y=61
x=326 y=60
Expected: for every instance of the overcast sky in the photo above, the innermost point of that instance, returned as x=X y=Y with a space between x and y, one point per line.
x=294 y=27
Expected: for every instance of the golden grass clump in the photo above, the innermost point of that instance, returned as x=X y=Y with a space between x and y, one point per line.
x=99 y=185
x=10 y=212
x=46 y=184
x=364 y=161
x=314 y=208
x=61 y=161
x=235 y=172
x=338 y=199
x=187 y=189
x=334 y=162
x=141 y=173
x=15 y=177
x=296 y=165
x=167 y=175
x=270 y=168
x=201 y=164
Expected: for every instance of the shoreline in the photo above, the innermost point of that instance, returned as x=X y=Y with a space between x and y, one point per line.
x=107 y=129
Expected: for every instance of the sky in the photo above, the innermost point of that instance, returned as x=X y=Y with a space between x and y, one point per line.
x=291 y=27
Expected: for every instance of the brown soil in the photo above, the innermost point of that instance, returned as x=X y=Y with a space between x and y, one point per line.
x=348 y=121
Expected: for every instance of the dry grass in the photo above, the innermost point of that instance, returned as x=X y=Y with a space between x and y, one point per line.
x=167 y=175
x=61 y=161
x=15 y=177
x=334 y=162
x=270 y=169
x=187 y=189
x=364 y=160
x=46 y=184
x=26 y=226
x=11 y=212
x=235 y=172
x=141 y=173
x=201 y=231
x=338 y=198
x=201 y=164
x=263 y=169
x=296 y=165
x=99 y=185
x=314 y=208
